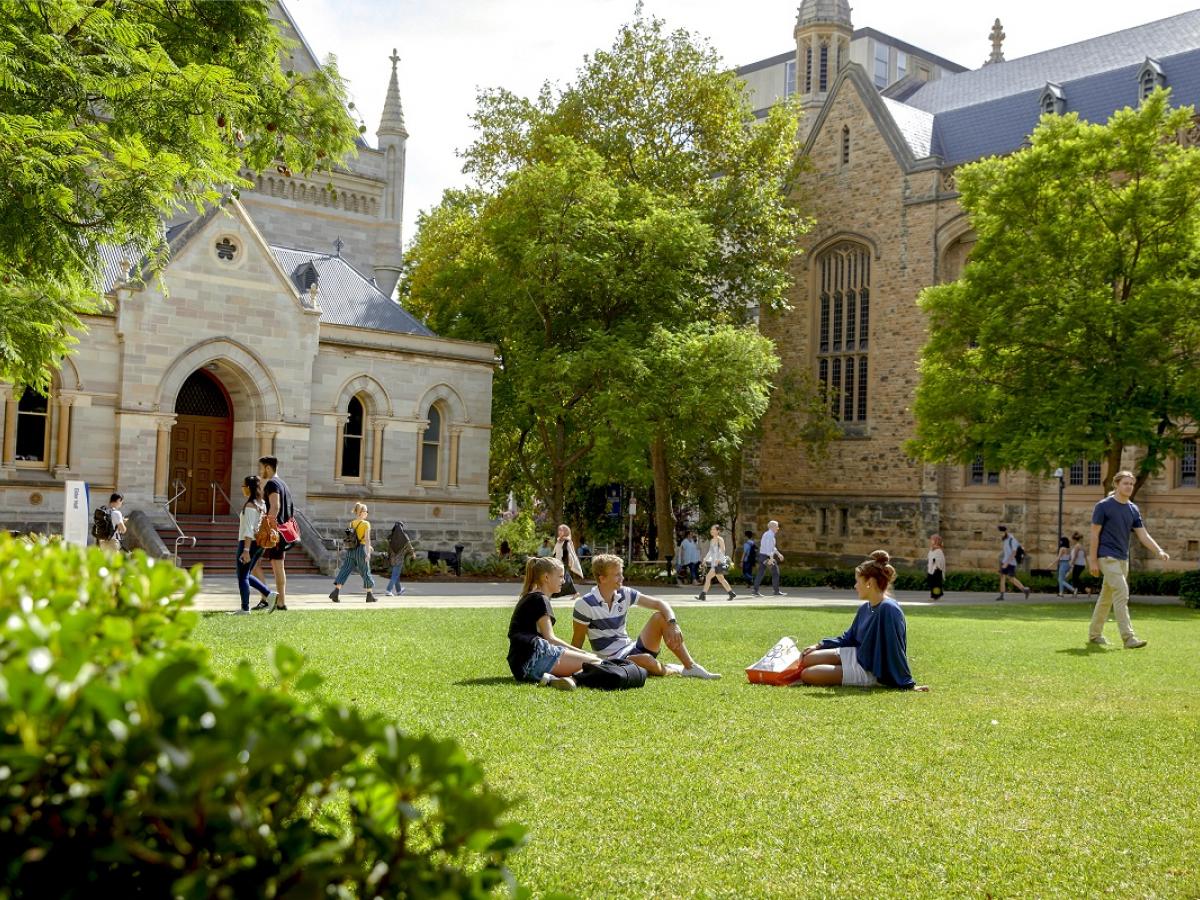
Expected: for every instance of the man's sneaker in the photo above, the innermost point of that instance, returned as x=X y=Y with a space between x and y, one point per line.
x=1134 y=644
x=1026 y=592
x=333 y=595
x=389 y=593
x=1000 y=597
x=780 y=594
x=698 y=671
x=755 y=594
x=240 y=612
x=270 y=601
x=701 y=596
x=1102 y=641
x=672 y=669
x=561 y=684
x=263 y=604
x=732 y=596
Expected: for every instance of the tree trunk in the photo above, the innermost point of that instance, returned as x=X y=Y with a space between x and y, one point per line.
x=664 y=516
x=1112 y=460
x=558 y=474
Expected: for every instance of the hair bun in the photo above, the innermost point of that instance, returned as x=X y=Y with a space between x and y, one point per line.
x=881 y=557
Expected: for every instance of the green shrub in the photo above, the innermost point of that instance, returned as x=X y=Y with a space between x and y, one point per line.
x=521 y=534
x=1189 y=589
x=128 y=768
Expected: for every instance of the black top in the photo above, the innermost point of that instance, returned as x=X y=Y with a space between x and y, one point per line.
x=522 y=630
x=275 y=485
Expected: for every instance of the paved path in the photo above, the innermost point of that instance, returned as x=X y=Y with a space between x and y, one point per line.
x=308 y=592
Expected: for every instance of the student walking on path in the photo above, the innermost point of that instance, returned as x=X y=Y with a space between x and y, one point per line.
x=1113 y=519
x=279 y=509
x=1064 y=567
x=248 y=551
x=1078 y=560
x=935 y=567
x=564 y=552
x=749 y=557
x=717 y=561
x=1010 y=551
x=358 y=555
x=116 y=524
x=399 y=546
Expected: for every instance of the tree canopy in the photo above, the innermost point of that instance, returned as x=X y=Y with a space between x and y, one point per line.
x=615 y=235
x=114 y=115
x=1074 y=331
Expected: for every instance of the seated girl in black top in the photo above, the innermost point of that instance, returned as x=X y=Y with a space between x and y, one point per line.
x=535 y=652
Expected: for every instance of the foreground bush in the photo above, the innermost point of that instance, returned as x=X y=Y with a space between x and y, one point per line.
x=127 y=768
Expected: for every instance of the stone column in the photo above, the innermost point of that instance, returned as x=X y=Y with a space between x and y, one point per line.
x=266 y=441
x=162 y=459
x=377 y=453
x=420 y=452
x=338 y=438
x=62 y=456
x=452 y=476
x=9 y=452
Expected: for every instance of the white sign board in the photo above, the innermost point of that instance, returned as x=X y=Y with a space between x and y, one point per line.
x=76 y=514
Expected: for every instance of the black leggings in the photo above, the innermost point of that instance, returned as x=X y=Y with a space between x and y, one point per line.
x=1076 y=571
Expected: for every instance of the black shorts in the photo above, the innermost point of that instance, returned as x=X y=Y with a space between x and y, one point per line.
x=276 y=552
x=1008 y=570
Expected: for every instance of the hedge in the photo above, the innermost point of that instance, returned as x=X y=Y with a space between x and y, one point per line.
x=128 y=768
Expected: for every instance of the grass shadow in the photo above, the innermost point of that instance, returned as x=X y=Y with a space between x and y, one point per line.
x=829 y=692
x=489 y=681
x=1089 y=650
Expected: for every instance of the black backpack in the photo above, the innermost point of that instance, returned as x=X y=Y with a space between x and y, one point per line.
x=611 y=675
x=102 y=525
x=1020 y=554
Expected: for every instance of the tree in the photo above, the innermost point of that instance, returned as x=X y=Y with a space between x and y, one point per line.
x=115 y=115
x=670 y=131
x=1073 y=332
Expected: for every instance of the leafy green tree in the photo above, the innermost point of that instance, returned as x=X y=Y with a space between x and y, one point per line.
x=114 y=115
x=1074 y=331
x=698 y=229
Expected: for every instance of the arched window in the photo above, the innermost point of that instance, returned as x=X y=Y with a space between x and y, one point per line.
x=824 y=68
x=354 y=444
x=844 y=299
x=808 y=69
x=431 y=446
x=33 y=430
x=1150 y=76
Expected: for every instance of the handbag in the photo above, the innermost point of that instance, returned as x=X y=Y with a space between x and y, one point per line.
x=289 y=533
x=611 y=675
x=781 y=665
x=267 y=535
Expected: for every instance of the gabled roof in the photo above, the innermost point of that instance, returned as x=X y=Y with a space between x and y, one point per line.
x=347 y=297
x=1164 y=38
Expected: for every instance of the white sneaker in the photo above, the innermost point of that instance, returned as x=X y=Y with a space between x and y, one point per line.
x=698 y=671
x=390 y=594
x=673 y=669
x=240 y=612
x=1102 y=641
x=561 y=684
x=271 y=598
x=1134 y=644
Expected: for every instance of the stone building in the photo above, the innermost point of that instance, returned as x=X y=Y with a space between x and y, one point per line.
x=881 y=190
x=272 y=332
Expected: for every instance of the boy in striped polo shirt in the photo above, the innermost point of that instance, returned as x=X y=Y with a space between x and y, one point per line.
x=600 y=617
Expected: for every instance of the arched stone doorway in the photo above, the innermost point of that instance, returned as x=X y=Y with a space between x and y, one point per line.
x=202 y=444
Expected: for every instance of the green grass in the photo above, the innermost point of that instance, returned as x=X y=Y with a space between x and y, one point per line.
x=1036 y=767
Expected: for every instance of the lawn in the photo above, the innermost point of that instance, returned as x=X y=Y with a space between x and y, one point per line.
x=1036 y=767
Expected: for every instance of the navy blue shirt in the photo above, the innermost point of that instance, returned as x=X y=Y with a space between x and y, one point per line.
x=880 y=635
x=1117 y=521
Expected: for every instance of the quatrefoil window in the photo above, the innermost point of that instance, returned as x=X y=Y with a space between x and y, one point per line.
x=226 y=249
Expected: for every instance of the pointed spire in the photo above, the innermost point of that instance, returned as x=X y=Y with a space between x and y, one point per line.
x=392 y=121
x=997 y=37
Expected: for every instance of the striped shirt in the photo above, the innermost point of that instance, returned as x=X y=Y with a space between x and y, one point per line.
x=605 y=623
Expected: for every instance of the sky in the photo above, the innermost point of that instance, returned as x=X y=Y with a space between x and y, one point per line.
x=450 y=49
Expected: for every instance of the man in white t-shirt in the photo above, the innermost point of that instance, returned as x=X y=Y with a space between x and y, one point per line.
x=113 y=544
x=599 y=616
x=769 y=557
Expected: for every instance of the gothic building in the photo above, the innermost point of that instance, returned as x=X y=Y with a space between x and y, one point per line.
x=273 y=332
x=883 y=143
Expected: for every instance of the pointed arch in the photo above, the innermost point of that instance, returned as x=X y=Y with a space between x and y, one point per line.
x=242 y=362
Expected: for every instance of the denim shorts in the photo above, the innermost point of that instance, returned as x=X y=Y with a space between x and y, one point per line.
x=545 y=655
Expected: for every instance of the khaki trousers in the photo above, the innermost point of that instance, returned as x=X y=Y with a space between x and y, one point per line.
x=112 y=545
x=1114 y=594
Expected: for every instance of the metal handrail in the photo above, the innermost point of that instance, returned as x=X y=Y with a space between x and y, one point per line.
x=213 y=518
x=181 y=539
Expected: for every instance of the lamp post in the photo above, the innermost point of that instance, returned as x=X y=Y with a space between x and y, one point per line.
x=629 y=544
x=1058 y=473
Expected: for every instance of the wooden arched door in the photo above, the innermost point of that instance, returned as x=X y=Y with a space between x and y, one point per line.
x=201 y=444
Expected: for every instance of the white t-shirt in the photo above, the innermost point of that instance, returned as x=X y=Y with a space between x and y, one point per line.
x=937 y=560
x=118 y=519
x=767 y=545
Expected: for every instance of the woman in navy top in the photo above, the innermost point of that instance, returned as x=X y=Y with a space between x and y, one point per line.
x=874 y=649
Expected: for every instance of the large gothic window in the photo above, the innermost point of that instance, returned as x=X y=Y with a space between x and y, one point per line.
x=844 y=300
x=354 y=442
x=431 y=446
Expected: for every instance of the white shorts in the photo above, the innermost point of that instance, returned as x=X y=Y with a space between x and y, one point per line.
x=854 y=675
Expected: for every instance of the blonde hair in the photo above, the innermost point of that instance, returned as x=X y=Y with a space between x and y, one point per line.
x=877 y=569
x=537 y=568
x=358 y=508
x=605 y=563
x=1124 y=473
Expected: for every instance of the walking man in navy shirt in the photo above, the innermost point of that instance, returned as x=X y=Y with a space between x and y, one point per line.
x=1113 y=518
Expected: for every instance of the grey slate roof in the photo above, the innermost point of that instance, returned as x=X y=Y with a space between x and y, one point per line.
x=1166 y=37
x=915 y=125
x=347 y=297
